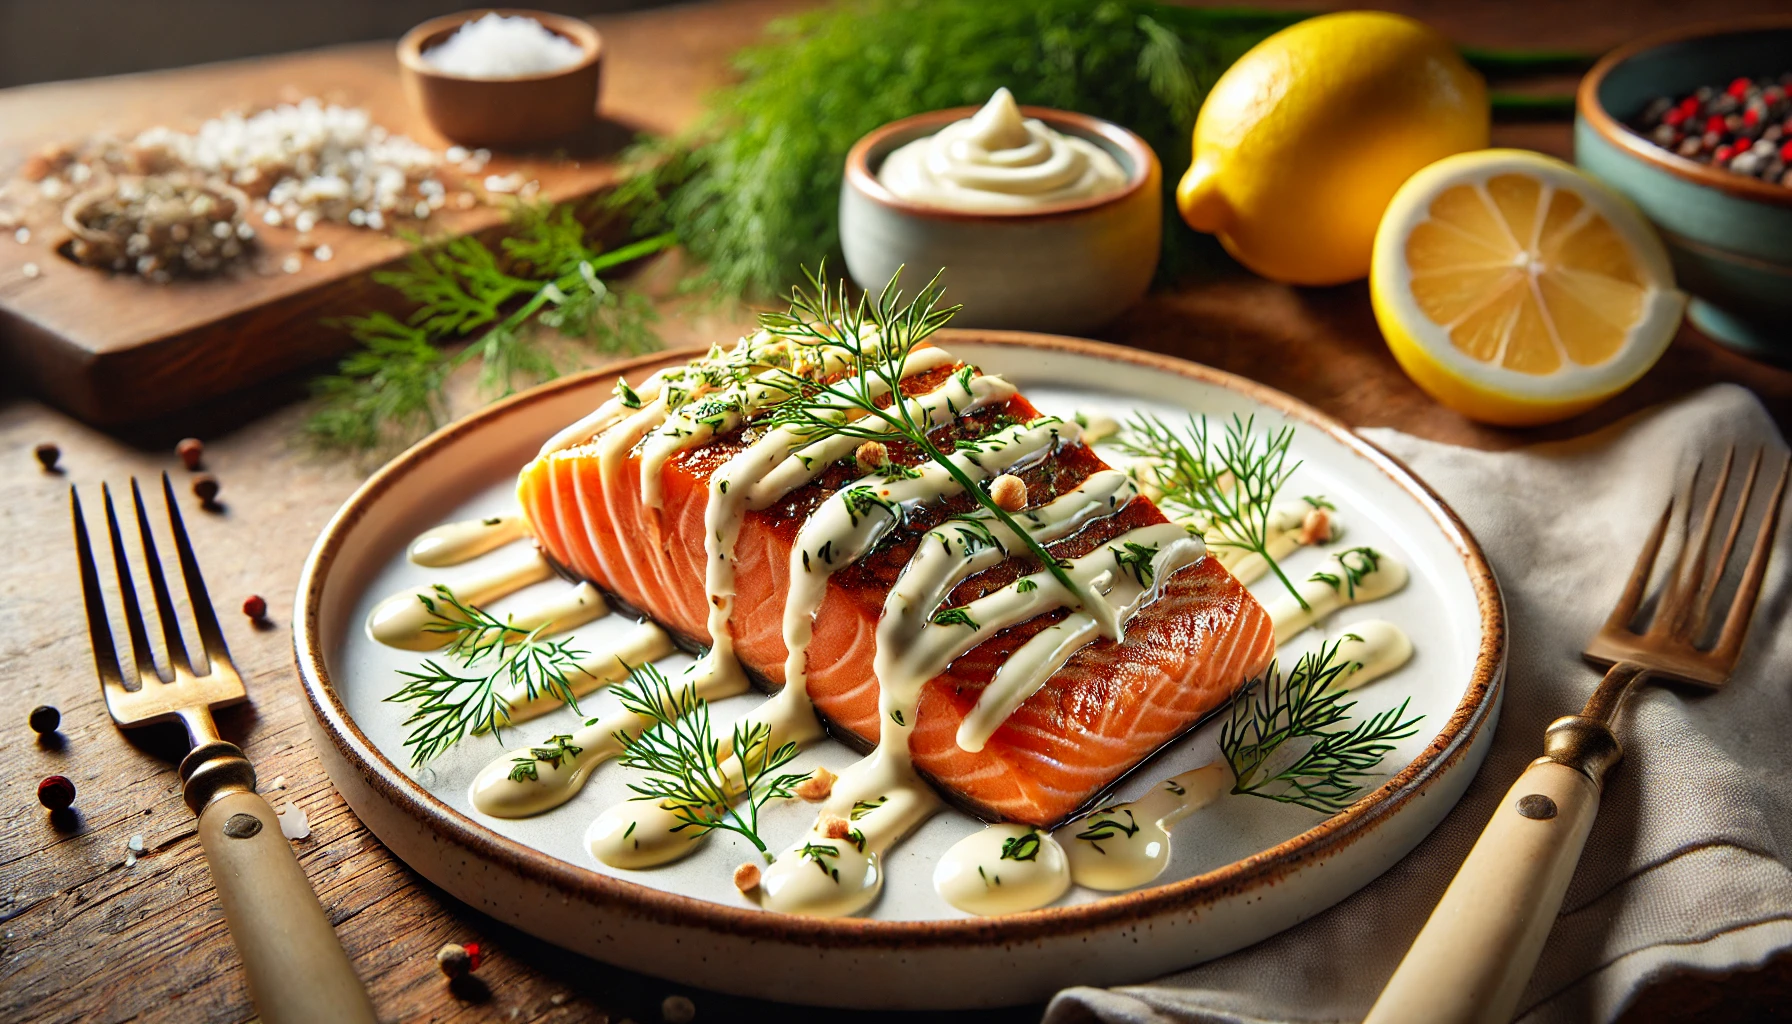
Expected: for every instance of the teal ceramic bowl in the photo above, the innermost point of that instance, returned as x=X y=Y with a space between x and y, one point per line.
x=1730 y=236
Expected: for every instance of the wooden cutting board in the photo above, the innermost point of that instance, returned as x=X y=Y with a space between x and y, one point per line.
x=115 y=349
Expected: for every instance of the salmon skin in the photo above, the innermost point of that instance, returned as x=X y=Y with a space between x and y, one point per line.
x=1108 y=708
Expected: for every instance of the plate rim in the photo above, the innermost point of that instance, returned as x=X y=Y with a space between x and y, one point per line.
x=1266 y=867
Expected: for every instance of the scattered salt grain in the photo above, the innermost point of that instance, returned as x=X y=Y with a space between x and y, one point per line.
x=293 y=823
x=272 y=218
x=30 y=270
x=323 y=253
x=376 y=220
x=557 y=999
x=422 y=209
x=292 y=264
x=130 y=859
x=496 y=46
x=22 y=235
x=279 y=782
x=456 y=154
x=136 y=844
x=503 y=182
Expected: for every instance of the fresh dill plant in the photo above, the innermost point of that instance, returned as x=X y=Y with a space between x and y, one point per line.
x=391 y=388
x=752 y=189
x=490 y=658
x=1226 y=484
x=682 y=759
x=873 y=338
x=1305 y=711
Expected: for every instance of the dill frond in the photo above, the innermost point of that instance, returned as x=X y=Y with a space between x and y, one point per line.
x=682 y=759
x=1305 y=707
x=1228 y=485
x=545 y=274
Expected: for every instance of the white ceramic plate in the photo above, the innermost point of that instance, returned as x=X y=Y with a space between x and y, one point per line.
x=1241 y=869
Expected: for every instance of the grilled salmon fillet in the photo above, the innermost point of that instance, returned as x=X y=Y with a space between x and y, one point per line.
x=1109 y=707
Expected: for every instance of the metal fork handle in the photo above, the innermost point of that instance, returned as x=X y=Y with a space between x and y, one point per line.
x=1474 y=956
x=298 y=973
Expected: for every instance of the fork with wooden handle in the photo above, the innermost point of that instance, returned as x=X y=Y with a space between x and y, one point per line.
x=1474 y=956
x=297 y=970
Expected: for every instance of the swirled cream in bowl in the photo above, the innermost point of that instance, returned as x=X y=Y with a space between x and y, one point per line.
x=1041 y=219
x=1000 y=161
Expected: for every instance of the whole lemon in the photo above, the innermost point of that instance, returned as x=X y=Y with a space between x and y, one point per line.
x=1303 y=142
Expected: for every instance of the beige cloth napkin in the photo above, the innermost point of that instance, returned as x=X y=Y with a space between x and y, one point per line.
x=1689 y=866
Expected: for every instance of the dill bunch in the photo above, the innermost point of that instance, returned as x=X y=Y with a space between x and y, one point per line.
x=752 y=191
x=491 y=303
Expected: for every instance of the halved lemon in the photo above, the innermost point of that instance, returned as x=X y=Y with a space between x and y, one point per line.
x=1517 y=290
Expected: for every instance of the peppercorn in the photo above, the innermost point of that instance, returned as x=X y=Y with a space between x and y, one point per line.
x=677 y=1010
x=457 y=961
x=56 y=792
x=205 y=488
x=190 y=450
x=45 y=719
x=255 y=607
x=48 y=455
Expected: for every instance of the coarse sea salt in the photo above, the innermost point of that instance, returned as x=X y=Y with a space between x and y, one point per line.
x=497 y=46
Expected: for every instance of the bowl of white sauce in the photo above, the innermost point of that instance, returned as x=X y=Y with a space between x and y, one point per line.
x=1041 y=219
x=502 y=78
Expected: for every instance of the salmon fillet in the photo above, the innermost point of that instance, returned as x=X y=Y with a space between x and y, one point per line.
x=1108 y=708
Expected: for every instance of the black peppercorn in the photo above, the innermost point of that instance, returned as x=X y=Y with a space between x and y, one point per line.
x=45 y=719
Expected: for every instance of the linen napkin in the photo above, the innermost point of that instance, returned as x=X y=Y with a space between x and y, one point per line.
x=1689 y=866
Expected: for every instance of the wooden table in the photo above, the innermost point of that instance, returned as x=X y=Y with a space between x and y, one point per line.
x=85 y=938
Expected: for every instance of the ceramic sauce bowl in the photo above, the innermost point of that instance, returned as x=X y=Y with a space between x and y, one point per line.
x=1730 y=236
x=502 y=112
x=1067 y=268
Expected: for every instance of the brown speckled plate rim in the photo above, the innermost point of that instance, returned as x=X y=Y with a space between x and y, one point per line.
x=1615 y=132
x=1265 y=868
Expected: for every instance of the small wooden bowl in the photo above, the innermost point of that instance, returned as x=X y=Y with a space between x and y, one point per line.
x=502 y=112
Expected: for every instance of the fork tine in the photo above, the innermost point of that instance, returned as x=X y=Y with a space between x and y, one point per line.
x=210 y=634
x=1701 y=611
x=99 y=626
x=158 y=585
x=1632 y=598
x=1673 y=617
x=127 y=591
x=1729 y=642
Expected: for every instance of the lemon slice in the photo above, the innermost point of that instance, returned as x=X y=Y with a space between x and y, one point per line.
x=1517 y=290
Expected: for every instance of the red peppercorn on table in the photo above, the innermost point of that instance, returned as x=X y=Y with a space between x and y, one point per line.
x=83 y=937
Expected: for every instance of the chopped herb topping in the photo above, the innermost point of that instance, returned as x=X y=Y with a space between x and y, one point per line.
x=955 y=617
x=1136 y=559
x=1022 y=847
x=626 y=395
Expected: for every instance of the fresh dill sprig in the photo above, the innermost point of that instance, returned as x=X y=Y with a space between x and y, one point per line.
x=494 y=657
x=1229 y=484
x=1306 y=707
x=873 y=338
x=455 y=701
x=682 y=759
x=391 y=388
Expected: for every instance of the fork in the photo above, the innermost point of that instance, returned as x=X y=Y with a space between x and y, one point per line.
x=297 y=970
x=1475 y=954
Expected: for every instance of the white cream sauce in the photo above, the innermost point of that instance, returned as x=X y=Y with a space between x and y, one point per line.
x=1348 y=577
x=454 y=543
x=1127 y=845
x=1003 y=869
x=400 y=620
x=998 y=161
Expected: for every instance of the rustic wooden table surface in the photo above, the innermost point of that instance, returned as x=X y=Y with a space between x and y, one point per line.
x=85 y=938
